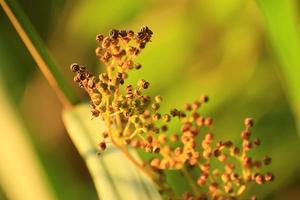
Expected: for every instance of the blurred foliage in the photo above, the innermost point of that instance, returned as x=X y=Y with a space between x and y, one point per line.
x=235 y=51
x=14 y=181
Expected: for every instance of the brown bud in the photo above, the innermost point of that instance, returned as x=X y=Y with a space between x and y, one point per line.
x=75 y=67
x=205 y=167
x=213 y=187
x=149 y=138
x=248 y=122
x=269 y=176
x=195 y=105
x=102 y=146
x=245 y=135
x=217 y=152
x=134 y=143
x=222 y=158
x=113 y=34
x=225 y=177
x=166 y=118
x=228 y=189
x=207 y=153
x=164 y=128
x=99 y=38
x=209 y=137
x=204 y=98
x=188 y=107
x=267 y=160
x=174 y=137
x=143 y=84
x=208 y=121
x=259 y=179
x=192 y=161
x=156 y=116
x=234 y=151
x=247 y=162
x=256 y=142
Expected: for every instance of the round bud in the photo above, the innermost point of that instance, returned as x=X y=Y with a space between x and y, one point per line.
x=269 y=176
x=102 y=146
x=158 y=99
x=267 y=160
x=75 y=67
x=113 y=34
x=204 y=98
x=259 y=179
x=248 y=122
x=99 y=38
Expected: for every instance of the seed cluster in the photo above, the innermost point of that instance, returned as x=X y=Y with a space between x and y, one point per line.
x=134 y=119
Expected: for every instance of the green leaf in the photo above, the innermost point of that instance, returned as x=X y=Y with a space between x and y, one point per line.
x=280 y=19
x=115 y=177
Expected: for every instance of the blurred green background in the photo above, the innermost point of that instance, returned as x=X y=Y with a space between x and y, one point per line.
x=244 y=54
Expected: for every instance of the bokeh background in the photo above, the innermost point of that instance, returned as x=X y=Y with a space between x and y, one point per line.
x=244 y=54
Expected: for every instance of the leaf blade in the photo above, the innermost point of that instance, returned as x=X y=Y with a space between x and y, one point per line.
x=115 y=177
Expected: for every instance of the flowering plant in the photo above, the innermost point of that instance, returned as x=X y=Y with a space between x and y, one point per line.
x=133 y=119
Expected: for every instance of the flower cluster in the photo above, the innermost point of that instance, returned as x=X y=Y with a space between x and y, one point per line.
x=134 y=119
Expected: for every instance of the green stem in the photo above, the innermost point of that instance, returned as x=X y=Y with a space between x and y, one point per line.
x=38 y=51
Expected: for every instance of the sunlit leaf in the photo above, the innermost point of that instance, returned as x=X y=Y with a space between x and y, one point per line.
x=115 y=177
x=21 y=173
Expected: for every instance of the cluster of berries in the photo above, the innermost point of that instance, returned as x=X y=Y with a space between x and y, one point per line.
x=134 y=119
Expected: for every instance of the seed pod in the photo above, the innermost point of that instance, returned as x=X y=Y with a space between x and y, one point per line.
x=74 y=67
x=174 y=137
x=204 y=98
x=188 y=107
x=158 y=99
x=195 y=105
x=213 y=187
x=77 y=78
x=174 y=112
x=208 y=121
x=113 y=34
x=164 y=128
x=82 y=77
x=122 y=33
x=143 y=84
x=166 y=118
x=245 y=135
x=269 y=177
x=267 y=160
x=138 y=66
x=95 y=112
x=256 y=142
x=102 y=146
x=106 y=42
x=144 y=29
x=155 y=163
x=209 y=137
x=130 y=33
x=99 y=38
x=259 y=179
x=155 y=106
x=248 y=122
x=156 y=116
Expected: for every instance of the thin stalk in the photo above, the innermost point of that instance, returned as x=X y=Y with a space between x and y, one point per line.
x=190 y=180
x=38 y=51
